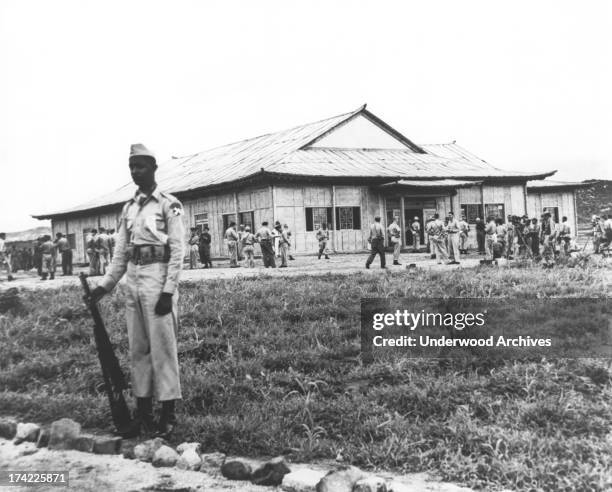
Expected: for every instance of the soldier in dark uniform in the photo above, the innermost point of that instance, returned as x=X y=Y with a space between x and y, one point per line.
x=204 y=246
x=377 y=241
x=150 y=249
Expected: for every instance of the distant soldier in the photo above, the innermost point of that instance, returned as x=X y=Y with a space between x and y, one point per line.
x=112 y=241
x=546 y=239
x=284 y=244
x=92 y=255
x=64 y=249
x=204 y=248
x=501 y=232
x=248 y=247
x=490 y=237
x=231 y=238
x=377 y=242
x=103 y=250
x=48 y=252
x=395 y=233
x=264 y=237
x=276 y=234
x=5 y=261
x=480 y=235
x=510 y=235
x=453 y=229
x=288 y=232
x=415 y=229
x=323 y=237
x=150 y=250
x=239 y=243
x=464 y=229
x=437 y=237
x=37 y=257
x=533 y=232
x=564 y=237
x=194 y=248
x=607 y=231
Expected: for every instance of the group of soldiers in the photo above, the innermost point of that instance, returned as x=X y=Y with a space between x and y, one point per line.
x=100 y=246
x=447 y=239
x=602 y=232
x=240 y=243
x=43 y=256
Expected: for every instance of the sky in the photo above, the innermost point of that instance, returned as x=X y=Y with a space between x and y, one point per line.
x=526 y=85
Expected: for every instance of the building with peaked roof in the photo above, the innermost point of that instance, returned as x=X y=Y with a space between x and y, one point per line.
x=343 y=170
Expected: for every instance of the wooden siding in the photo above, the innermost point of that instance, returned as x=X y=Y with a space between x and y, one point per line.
x=562 y=199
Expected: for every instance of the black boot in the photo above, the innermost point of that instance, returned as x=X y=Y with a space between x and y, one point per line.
x=167 y=421
x=326 y=257
x=396 y=262
x=144 y=415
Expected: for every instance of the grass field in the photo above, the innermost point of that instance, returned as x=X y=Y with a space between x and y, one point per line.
x=271 y=366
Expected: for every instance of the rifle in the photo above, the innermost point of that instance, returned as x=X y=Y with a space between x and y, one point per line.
x=114 y=381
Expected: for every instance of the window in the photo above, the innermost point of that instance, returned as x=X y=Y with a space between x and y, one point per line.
x=470 y=211
x=246 y=219
x=200 y=220
x=315 y=216
x=72 y=240
x=348 y=218
x=227 y=220
x=495 y=210
x=554 y=213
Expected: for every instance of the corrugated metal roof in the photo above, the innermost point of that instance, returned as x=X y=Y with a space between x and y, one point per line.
x=284 y=153
x=549 y=183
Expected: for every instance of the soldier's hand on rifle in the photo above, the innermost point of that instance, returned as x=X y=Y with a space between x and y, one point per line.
x=164 y=305
x=97 y=294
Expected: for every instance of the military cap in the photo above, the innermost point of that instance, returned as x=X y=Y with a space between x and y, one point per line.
x=140 y=150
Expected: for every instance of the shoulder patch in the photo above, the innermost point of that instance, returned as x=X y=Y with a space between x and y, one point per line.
x=176 y=209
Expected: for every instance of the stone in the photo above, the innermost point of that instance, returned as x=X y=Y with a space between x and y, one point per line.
x=63 y=433
x=271 y=472
x=302 y=480
x=165 y=456
x=236 y=469
x=195 y=446
x=107 y=445
x=145 y=450
x=26 y=432
x=43 y=438
x=127 y=450
x=84 y=443
x=370 y=484
x=8 y=428
x=189 y=460
x=212 y=460
x=342 y=479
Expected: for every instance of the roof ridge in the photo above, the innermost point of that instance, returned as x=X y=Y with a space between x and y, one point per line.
x=244 y=140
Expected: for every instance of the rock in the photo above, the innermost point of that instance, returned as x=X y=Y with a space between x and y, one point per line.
x=370 y=484
x=84 y=443
x=43 y=438
x=342 y=479
x=8 y=428
x=63 y=433
x=127 y=450
x=271 y=472
x=107 y=445
x=236 y=469
x=189 y=460
x=145 y=450
x=195 y=446
x=302 y=480
x=212 y=460
x=27 y=432
x=165 y=456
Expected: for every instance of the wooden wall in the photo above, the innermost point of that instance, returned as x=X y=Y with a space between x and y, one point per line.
x=536 y=202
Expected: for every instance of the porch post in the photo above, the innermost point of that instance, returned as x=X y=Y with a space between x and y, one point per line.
x=402 y=220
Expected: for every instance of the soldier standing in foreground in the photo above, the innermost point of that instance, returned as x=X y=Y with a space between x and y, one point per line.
x=231 y=236
x=436 y=233
x=150 y=248
x=377 y=240
x=264 y=236
x=63 y=247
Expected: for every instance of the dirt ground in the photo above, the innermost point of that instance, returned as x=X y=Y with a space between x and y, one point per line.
x=302 y=265
x=95 y=473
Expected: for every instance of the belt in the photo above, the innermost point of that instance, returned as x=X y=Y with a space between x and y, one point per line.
x=146 y=254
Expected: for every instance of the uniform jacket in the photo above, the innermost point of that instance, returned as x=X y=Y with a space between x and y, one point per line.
x=322 y=235
x=155 y=220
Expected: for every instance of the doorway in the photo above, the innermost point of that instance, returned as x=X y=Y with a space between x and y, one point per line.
x=409 y=215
